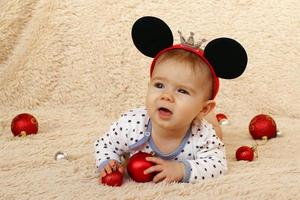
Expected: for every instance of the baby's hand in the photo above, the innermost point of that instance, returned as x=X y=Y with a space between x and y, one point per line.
x=167 y=170
x=110 y=167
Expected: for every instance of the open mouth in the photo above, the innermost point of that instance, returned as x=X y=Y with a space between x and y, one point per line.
x=164 y=112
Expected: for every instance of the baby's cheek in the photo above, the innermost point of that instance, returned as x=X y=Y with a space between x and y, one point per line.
x=190 y=103
x=150 y=106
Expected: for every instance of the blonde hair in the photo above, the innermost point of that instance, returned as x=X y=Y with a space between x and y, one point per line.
x=194 y=61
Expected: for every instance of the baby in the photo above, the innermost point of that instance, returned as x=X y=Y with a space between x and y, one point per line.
x=185 y=147
x=172 y=127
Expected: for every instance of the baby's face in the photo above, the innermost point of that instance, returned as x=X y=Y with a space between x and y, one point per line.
x=175 y=94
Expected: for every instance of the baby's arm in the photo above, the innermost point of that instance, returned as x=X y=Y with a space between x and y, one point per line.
x=110 y=147
x=209 y=162
x=212 y=119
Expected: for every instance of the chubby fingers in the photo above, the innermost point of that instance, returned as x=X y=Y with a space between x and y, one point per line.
x=113 y=164
x=107 y=169
x=155 y=160
x=155 y=168
x=110 y=166
x=159 y=177
x=102 y=173
x=121 y=169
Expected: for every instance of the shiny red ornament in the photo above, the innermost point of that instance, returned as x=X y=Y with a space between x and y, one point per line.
x=113 y=179
x=136 y=166
x=244 y=153
x=222 y=119
x=262 y=126
x=24 y=124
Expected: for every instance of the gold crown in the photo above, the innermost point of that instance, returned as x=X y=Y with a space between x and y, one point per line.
x=190 y=41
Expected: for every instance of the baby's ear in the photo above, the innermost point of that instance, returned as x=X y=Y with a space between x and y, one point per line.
x=150 y=35
x=227 y=57
x=207 y=108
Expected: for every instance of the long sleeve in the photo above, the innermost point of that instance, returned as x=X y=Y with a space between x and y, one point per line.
x=209 y=160
x=112 y=144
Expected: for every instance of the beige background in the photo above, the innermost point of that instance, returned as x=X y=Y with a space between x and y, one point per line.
x=72 y=64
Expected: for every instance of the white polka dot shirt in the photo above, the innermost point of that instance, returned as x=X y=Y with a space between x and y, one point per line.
x=201 y=151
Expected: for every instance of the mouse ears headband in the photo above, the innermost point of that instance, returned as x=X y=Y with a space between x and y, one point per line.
x=225 y=57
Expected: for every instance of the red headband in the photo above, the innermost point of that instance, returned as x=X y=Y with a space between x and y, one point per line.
x=225 y=57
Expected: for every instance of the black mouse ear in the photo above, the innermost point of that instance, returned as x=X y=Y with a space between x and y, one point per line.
x=227 y=57
x=150 y=35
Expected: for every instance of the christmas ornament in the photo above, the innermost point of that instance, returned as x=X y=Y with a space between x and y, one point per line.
x=279 y=133
x=245 y=153
x=113 y=179
x=136 y=166
x=61 y=156
x=262 y=125
x=24 y=124
x=222 y=119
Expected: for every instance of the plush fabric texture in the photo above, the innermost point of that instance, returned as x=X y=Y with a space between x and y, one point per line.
x=72 y=64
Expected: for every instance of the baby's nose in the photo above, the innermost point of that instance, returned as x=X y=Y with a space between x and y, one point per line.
x=167 y=97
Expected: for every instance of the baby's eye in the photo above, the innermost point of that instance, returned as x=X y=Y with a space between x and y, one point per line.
x=158 y=85
x=183 y=91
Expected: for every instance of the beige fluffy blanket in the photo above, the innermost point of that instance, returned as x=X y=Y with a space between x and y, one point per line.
x=72 y=64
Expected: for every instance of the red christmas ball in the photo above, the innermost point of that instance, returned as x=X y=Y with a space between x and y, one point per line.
x=222 y=119
x=244 y=153
x=24 y=124
x=262 y=125
x=136 y=166
x=113 y=179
